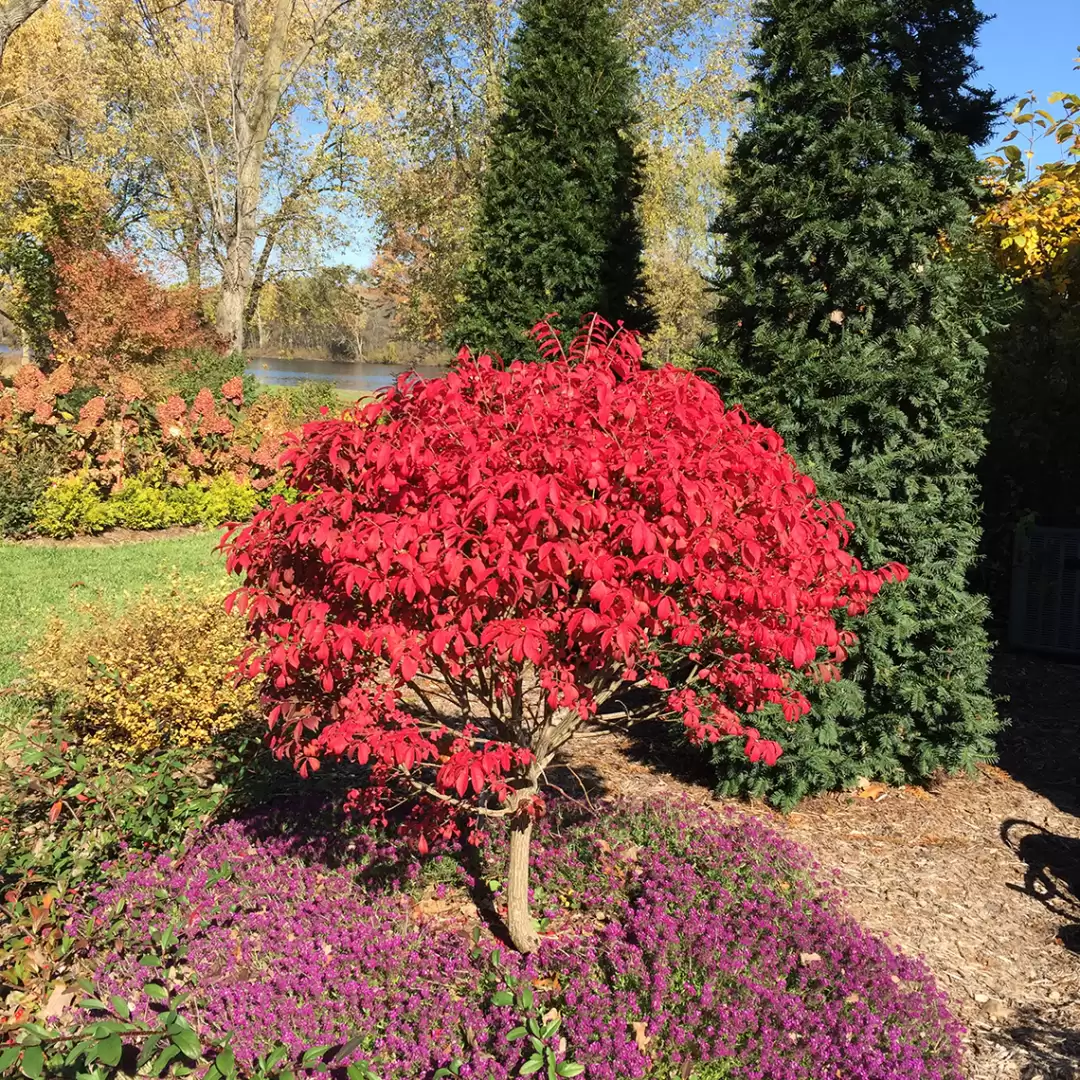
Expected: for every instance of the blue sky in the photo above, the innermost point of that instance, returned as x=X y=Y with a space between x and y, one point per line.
x=1030 y=45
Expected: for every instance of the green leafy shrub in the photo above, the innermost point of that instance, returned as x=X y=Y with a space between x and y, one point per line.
x=228 y=500
x=71 y=506
x=206 y=368
x=24 y=478
x=140 y=503
x=68 y=809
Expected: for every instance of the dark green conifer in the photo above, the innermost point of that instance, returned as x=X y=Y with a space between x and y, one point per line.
x=851 y=315
x=558 y=228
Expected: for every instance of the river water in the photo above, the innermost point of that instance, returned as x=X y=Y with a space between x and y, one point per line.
x=363 y=378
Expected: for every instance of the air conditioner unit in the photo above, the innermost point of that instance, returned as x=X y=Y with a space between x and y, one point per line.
x=1045 y=610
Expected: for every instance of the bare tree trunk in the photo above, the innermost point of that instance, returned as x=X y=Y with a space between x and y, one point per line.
x=519 y=921
x=236 y=280
x=192 y=255
x=252 y=120
x=13 y=13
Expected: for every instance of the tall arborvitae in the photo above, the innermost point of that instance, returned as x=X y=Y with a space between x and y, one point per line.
x=558 y=227
x=850 y=317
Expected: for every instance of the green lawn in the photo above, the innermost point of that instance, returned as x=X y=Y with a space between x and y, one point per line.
x=36 y=582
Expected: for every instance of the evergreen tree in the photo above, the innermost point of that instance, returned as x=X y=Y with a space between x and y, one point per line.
x=850 y=317
x=558 y=228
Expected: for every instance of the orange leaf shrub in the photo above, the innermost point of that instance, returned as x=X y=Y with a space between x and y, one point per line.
x=113 y=315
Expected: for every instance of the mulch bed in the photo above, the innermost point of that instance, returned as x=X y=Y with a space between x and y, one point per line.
x=981 y=876
x=112 y=537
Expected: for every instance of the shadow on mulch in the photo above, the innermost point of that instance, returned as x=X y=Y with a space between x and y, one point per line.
x=661 y=745
x=1041 y=746
x=1051 y=873
x=1053 y=1050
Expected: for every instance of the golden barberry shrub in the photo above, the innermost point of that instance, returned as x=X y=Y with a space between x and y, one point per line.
x=159 y=673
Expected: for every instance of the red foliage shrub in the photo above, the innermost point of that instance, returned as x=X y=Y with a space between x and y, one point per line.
x=477 y=564
x=114 y=315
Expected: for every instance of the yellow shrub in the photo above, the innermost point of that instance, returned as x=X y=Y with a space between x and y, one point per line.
x=159 y=673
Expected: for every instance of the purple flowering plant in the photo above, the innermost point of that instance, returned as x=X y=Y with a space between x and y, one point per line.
x=677 y=944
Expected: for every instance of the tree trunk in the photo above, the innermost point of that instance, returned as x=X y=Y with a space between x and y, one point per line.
x=239 y=269
x=252 y=118
x=13 y=13
x=192 y=256
x=519 y=920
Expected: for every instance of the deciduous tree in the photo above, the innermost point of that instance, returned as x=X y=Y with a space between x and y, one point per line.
x=252 y=107
x=13 y=13
x=479 y=565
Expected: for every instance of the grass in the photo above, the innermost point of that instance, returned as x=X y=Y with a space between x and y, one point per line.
x=38 y=582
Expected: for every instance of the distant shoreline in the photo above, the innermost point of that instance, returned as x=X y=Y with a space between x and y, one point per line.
x=435 y=360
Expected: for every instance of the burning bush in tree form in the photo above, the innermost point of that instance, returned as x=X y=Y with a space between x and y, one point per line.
x=477 y=564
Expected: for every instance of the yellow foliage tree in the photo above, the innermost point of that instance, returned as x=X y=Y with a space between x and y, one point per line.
x=1035 y=217
x=55 y=138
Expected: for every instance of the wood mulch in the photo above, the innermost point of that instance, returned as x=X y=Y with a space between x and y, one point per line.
x=980 y=876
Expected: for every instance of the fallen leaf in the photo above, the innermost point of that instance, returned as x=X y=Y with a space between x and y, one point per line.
x=57 y=1004
x=877 y=792
x=429 y=904
x=551 y=1014
x=917 y=792
x=808 y=958
x=640 y=1037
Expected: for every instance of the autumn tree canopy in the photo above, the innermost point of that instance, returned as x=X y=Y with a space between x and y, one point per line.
x=479 y=565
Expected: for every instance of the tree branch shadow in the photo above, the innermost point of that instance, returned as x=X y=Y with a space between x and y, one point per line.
x=1051 y=873
x=1053 y=1051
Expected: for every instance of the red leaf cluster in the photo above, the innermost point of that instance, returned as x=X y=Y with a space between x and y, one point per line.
x=114 y=315
x=477 y=563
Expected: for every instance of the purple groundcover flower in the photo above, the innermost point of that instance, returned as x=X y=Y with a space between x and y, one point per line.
x=680 y=943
